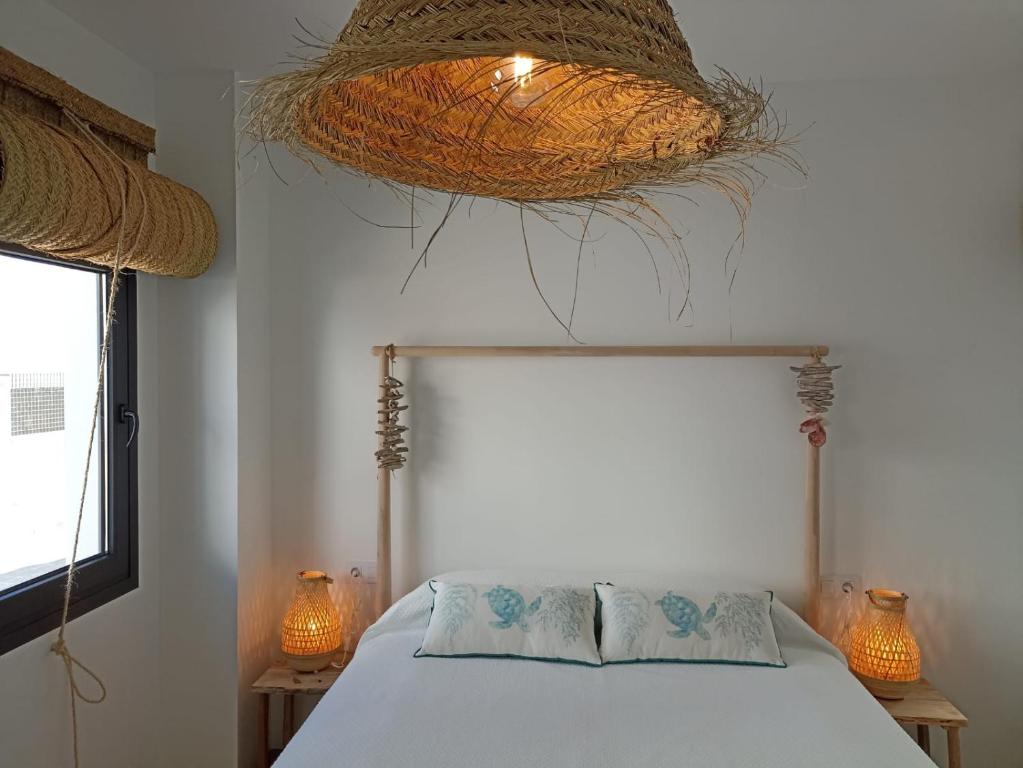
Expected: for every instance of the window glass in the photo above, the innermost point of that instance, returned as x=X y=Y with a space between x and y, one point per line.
x=50 y=326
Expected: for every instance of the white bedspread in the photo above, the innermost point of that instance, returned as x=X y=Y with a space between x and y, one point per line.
x=390 y=709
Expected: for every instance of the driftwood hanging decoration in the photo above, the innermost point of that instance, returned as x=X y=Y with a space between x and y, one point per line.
x=391 y=454
x=816 y=391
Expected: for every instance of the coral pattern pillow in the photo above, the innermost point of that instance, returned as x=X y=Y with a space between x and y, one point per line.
x=534 y=622
x=675 y=625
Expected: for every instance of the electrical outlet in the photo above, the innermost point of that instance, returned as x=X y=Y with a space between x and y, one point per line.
x=365 y=570
x=853 y=580
x=832 y=584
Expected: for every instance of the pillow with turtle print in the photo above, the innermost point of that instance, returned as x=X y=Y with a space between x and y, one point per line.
x=545 y=623
x=676 y=625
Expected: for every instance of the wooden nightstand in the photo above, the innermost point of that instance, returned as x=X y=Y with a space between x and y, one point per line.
x=279 y=679
x=923 y=707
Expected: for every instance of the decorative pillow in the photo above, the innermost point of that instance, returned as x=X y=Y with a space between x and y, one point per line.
x=531 y=622
x=679 y=626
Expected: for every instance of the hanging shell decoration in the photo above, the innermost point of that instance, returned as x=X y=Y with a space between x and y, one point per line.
x=816 y=391
x=391 y=454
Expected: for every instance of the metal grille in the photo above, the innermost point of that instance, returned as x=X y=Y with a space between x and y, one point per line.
x=37 y=403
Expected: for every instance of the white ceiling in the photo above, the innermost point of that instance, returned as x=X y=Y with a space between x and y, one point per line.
x=780 y=40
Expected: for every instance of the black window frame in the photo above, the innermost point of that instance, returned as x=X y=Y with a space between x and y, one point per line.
x=32 y=608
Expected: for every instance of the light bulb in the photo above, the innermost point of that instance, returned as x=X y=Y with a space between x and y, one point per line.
x=514 y=81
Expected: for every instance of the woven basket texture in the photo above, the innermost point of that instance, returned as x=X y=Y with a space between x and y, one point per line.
x=883 y=647
x=31 y=90
x=312 y=625
x=61 y=195
x=409 y=92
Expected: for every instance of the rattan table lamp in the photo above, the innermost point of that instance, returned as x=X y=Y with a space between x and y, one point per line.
x=311 y=630
x=883 y=652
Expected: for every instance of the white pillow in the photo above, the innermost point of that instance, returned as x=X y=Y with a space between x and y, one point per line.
x=676 y=625
x=546 y=623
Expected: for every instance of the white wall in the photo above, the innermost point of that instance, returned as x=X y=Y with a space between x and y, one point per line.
x=119 y=640
x=199 y=488
x=902 y=252
x=257 y=616
x=179 y=653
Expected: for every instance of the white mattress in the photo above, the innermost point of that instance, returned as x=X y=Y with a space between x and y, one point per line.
x=390 y=709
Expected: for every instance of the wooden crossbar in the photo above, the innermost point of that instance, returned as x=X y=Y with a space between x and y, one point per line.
x=386 y=353
x=580 y=350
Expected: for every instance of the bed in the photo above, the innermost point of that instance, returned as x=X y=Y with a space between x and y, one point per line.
x=390 y=709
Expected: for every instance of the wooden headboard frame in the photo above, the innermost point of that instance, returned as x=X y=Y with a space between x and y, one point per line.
x=388 y=353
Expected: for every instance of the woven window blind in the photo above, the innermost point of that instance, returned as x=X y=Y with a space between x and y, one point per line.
x=61 y=194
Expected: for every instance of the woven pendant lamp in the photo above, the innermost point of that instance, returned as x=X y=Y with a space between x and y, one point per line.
x=528 y=101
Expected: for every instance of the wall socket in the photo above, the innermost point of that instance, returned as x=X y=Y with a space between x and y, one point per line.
x=366 y=570
x=832 y=583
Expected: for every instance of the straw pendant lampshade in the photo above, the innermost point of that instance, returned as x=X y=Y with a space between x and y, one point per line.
x=883 y=652
x=311 y=630
x=528 y=101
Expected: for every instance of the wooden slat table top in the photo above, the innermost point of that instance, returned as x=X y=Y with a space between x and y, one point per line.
x=927 y=706
x=280 y=679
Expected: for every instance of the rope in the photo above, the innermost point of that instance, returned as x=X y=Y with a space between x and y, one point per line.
x=60 y=646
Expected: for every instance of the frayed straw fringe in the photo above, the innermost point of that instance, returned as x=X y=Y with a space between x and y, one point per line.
x=406 y=94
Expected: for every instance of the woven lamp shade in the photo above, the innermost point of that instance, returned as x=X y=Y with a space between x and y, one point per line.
x=520 y=100
x=311 y=630
x=883 y=652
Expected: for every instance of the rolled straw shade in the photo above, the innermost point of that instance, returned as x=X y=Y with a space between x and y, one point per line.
x=30 y=90
x=311 y=630
x=883 y=652
x=520 y=100
x=61 y=195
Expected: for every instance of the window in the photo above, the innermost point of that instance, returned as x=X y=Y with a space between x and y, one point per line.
x=51 y=326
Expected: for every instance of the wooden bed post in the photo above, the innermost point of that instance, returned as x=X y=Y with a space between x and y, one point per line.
x=813 y=544
x=813 y=478
x=383 y=591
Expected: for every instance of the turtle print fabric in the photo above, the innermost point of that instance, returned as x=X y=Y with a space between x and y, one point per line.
x=686 y=615
x=510 y=608
x=674 y=625
x=546 y=623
